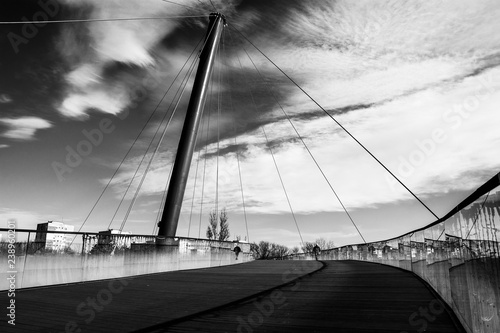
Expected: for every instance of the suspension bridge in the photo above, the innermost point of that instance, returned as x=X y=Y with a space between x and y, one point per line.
x=443 y=277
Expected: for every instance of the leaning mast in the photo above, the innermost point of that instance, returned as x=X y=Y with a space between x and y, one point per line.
x=175 y=194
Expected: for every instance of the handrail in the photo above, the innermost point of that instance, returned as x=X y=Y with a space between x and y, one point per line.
x=490 y=185
x=106 y=234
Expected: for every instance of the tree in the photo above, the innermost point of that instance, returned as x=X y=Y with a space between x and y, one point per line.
x=266 y=250
x=279 y=251
x=322 y=243
x=325 y=244
x=210 y=233
x=261 y=250
x=307 y=247
x=224 y=226
x=218 y=231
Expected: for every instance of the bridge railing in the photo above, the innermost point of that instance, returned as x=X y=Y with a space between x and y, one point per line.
x=38 y=258
x=457 y=255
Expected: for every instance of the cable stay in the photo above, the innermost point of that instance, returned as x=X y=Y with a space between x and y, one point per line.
x=207 y=136
x=335 y=120
x=213 y=5
x=236 y=153
x=218 y=138
x=240 y=178
x=218 y=109
x=272 y=155
x=283 y=185
x=158 y=145
x=206 y=151
x=194 y=186
x=162 y=202
x=305 y=146
x=183 y=82
x=104 y=19
x=179 y=4
x=135 y=141
x=197 y=168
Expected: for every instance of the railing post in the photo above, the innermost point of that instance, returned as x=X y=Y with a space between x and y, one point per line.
x=27 y=245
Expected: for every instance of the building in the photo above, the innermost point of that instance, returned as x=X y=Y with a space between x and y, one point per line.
x=115 y=237
x=53 y=241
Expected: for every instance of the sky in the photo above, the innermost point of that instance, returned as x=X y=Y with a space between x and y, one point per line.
x=416 y=82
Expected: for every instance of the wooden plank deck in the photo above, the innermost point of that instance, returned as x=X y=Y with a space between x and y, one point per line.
x=127 y=304
x=345 y=296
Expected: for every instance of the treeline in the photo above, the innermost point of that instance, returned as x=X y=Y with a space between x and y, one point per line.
x=266 y=250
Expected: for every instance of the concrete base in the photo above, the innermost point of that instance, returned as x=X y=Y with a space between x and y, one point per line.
x=167 y=241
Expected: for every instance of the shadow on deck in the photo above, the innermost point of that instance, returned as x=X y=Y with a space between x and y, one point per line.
x=260 y=296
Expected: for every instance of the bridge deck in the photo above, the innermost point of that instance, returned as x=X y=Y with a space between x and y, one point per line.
x=344 y=296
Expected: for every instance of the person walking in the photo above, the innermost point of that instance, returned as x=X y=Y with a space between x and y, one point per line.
x=237 y=251
x=316 y=251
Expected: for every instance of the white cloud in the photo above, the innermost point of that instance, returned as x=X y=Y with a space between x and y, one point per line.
x=352 y=53
x=412 y=62
x=23 y=128
x=100 y=97
x=84 y=76
x=128 y=42
x=4 y=146
x=395 y=132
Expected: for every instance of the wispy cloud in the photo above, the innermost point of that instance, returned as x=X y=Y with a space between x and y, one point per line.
x=23 y=128
x=111 y=99
x=384 y=79
x=410 y=80
x=133 y=44
x=347 y=53
x=392 y=72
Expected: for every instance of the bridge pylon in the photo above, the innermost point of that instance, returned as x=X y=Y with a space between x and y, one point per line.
x=175 y=194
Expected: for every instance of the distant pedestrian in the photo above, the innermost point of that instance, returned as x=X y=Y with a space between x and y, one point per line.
x=316 y=251
x=237 y=251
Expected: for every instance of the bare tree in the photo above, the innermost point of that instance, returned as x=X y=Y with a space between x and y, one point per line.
x=261 y=250
x=325 y=244
x=321 y=242
x=266 y=250
x=279 y=251
x=307 y=247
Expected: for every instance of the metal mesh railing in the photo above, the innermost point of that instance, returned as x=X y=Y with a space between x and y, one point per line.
x=458 y=255
x=45 y=257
